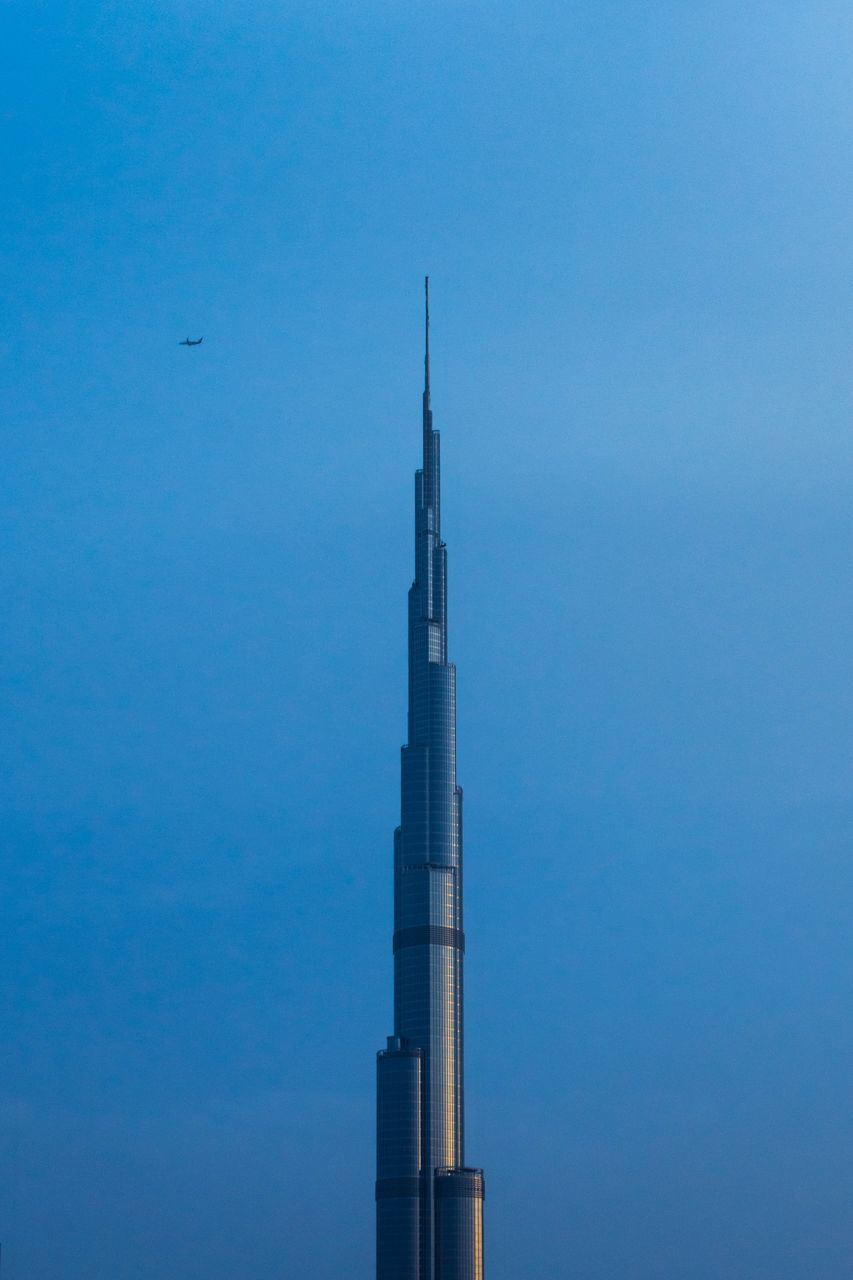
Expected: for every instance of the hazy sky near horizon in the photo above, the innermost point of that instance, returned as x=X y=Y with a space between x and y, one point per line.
x=637 y=223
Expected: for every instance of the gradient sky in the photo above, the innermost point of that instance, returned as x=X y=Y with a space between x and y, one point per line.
x=637 y=221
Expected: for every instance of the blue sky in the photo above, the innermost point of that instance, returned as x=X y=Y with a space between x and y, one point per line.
x=637 y=224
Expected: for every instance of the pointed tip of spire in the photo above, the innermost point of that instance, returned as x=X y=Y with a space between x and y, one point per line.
x=426 y=335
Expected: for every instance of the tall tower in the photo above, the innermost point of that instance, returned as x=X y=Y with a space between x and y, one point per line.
x=429 y=1206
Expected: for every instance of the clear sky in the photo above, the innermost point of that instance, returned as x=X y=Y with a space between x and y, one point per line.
x=637 y=221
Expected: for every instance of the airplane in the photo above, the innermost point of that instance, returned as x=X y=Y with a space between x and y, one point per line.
x=188 y=342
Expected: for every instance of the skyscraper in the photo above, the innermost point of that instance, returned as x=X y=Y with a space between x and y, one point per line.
x=429 y=1206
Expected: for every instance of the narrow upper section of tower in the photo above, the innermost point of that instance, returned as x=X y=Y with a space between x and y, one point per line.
x=430 y=438
x=426 y=342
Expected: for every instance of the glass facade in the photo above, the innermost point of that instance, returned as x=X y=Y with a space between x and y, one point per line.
x=398 y=1161
x=429 y=1208
x=459 y=1195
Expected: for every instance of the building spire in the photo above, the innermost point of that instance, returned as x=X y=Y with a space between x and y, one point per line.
x=430 y=463
x=426 y=342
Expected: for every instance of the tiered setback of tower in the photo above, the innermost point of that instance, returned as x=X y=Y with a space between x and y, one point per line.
x=429 y=1207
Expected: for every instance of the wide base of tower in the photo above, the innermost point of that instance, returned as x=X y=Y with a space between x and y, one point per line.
x=429 y=1224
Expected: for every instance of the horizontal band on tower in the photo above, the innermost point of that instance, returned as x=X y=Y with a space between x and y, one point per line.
x=437 y=935
x=386 y=1188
